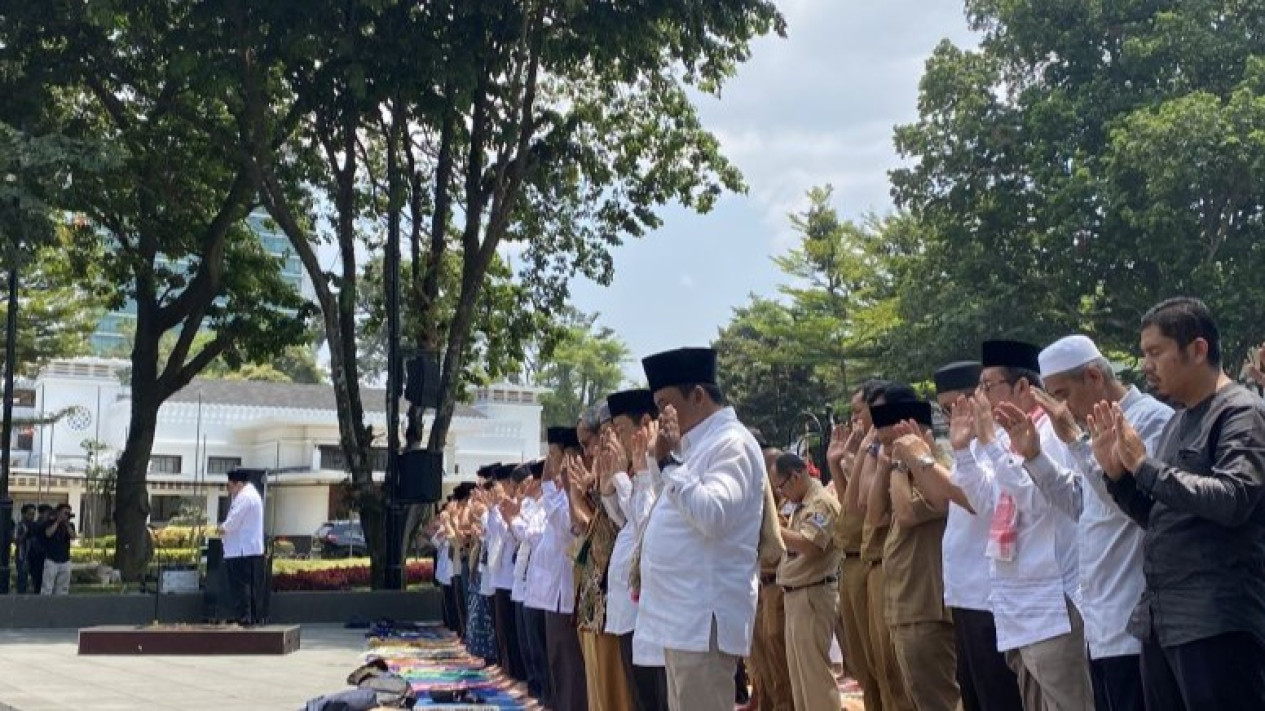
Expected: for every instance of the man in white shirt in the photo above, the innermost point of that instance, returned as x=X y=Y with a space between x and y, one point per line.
x=243 y=536
x=629 y=497
x=551 y=582
x=1077 y=377
x=699 y=580
x=985 y=682
x=526 y=524
x=1033 y=546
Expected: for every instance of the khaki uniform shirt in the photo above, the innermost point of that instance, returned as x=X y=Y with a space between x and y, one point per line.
x=914 y=567
x=815 y=520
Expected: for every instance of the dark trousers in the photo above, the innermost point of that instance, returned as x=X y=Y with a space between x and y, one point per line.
x=450 y=606
x=246 y=588
x=1226 y=673
x=566 y=663
x=24 y=573
x=987 y=683
x=459 y=601
x=649 y=684
x=507 y=637
x=1117 y=683
x=524 y=651
x=35 y=566
x=537 y=654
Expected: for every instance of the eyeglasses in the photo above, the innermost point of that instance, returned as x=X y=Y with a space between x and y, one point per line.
x=987 y=387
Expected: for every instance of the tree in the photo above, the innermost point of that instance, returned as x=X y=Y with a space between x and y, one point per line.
x=169 y=211
x=60 y=301
x=1087 y=161
x=584 y=366
x=459 y=127
x=768 y=384
x=782 y=359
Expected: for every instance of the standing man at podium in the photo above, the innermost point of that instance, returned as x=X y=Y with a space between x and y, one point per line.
x=243 y=536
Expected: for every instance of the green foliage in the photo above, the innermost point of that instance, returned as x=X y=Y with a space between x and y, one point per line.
x=781 y=359
x=584 y=366
x=1087 y=161
x=61 y=299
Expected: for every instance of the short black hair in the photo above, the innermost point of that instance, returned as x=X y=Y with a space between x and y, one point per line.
x=712 y=389
x=787 y=464
x=27 y=507
x=63 y=507
x=1184 y=319
x=1013 y=375
x=891 y=392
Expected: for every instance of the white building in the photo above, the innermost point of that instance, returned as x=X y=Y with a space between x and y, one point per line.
x=213 y=426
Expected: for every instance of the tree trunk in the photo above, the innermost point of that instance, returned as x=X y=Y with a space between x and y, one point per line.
x=131 y=507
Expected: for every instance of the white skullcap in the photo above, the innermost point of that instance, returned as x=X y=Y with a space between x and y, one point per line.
x=1067 y=354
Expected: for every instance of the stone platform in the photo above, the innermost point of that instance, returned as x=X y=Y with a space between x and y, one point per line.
x=189 y=639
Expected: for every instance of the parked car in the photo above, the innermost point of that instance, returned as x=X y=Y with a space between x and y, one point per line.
x=338 y=539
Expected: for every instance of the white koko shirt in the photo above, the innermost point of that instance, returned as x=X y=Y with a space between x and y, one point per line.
x=698 y=559
x=634 y=499
x=550 y=580
x=244 y=525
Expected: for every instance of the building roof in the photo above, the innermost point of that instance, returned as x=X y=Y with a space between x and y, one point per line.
x=302 y=396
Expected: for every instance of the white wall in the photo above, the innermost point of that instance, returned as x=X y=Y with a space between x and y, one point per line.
x=297 y=510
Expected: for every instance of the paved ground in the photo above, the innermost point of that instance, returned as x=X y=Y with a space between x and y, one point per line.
x=43 y=672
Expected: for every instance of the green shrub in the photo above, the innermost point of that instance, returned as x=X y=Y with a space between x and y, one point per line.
x=179 y=537
x=162 y=555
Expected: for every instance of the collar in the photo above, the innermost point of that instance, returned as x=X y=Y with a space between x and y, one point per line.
x=1131 y=397
x=705 y=429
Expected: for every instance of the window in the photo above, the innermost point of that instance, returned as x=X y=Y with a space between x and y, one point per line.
x=163 y=508
x=164 y=464
x=332 y=458
x=25 y=440
x=24 y=397
x=222 y=465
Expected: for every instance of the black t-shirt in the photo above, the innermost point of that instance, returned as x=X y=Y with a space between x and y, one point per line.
x=34 y=541
x=57 y=546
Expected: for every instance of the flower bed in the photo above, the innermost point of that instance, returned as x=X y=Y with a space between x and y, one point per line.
x=340 y=576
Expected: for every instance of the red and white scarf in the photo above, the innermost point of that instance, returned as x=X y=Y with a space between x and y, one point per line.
x=1003 y=530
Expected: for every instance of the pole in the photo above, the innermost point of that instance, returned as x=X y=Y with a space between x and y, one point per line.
x=394 y=578
x=6 y=429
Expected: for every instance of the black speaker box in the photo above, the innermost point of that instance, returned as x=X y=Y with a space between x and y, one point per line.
x=421 y=477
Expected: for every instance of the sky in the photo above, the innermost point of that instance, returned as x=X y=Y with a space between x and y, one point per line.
x=814 y=108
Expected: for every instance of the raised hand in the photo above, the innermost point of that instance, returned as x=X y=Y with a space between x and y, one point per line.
x=509 y=509
x=1024 y=438
x=961 y=424
x=982 y=416
x=1102 y=433
x=909 y=448
x=641 y=447
x=669 y=439
x=840 y=437
x=1130 y=449
x=1064 y=422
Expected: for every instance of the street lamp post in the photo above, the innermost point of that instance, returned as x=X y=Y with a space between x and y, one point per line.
x=6 y=427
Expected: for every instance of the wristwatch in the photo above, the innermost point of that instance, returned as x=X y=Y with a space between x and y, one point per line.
x=670 y=461
x=926 y=460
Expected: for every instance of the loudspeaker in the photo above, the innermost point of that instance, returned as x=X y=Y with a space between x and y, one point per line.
x=421 y=477
x=422 y=381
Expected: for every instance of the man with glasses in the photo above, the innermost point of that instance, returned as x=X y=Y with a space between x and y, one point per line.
x=808 y=576
x=1032 y=545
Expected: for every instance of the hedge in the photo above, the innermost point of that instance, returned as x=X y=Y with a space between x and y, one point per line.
x=106 y=555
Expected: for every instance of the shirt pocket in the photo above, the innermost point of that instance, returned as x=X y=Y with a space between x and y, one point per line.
x=1194 y=459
